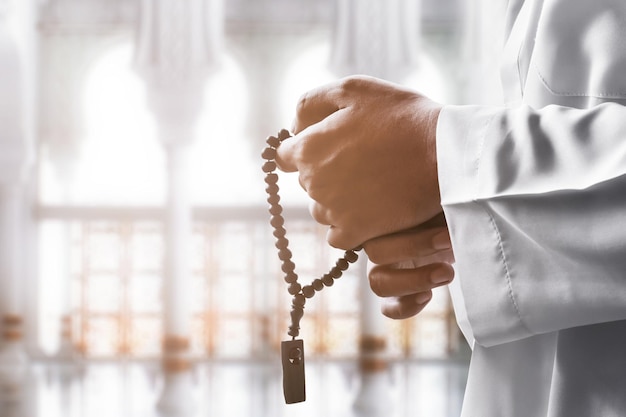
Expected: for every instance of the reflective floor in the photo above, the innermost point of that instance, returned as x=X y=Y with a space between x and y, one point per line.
x=433 y=389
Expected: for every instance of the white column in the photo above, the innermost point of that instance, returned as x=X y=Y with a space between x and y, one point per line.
x=63 y=154
x=9 y=247
x=176 y=395
x=376 y=37
x=178 y=45
x=61 y=132
x=177 y=237
x=14 y=163
x=13 y=359
x=66 y=351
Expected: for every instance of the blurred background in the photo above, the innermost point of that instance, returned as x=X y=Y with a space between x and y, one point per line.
x=138 y=274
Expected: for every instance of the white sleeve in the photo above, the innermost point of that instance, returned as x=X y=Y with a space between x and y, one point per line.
x=536 y=205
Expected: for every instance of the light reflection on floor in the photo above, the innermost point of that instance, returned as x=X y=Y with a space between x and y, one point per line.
x=433 y=389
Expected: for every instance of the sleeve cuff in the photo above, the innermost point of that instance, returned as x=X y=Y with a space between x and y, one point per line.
x=480 y=253
x=461 y=132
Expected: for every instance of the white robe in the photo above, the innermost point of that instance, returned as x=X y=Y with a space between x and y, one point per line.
x=534 y=193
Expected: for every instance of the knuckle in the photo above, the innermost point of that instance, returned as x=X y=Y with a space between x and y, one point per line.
x=302 y=102
x=353 y=83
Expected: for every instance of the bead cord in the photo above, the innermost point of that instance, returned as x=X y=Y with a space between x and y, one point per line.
x=300 y=293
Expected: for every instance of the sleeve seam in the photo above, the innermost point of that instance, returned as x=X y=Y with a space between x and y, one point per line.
x=507 y=271
x=479 y=155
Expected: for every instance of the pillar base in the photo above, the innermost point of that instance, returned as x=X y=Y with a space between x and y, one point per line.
x=374 y=396
x=14 y=364
x=67 y=351
x=68 y=354
x=177 y=396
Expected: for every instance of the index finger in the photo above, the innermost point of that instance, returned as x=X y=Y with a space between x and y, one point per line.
x=286 y=155
x=308 y=145
x=407 y=244
x=315 y=105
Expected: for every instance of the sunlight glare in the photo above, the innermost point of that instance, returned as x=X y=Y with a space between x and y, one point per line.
x=121 y=160
x=223 y=163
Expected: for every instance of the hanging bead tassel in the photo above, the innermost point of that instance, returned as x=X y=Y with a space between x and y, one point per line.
x=293 y=350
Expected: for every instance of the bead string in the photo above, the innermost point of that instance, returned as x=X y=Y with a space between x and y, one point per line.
x=299 y=293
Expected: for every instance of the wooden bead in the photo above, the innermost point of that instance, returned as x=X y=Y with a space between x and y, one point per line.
x=308 y=291
x=273 y=199
x=273 y=141
x=342 y=264
x=276 y=209
x=335 y=272
x=279 y=232
x=282 y=243
x=294 y=288
x=284 y=254
x=271 y=178
x=269 y=153
x=318 y=285
x=351 y=256
x=271 y=188
x=328 y=280
x=283 y=134
x=269 y=166
x=291 y=277
x=288 y=266
x=277 y=221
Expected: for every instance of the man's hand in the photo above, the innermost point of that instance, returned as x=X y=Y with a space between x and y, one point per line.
x=365 y=152
x=408 y=265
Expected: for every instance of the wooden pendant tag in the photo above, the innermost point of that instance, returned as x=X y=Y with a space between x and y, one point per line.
x=292 y=353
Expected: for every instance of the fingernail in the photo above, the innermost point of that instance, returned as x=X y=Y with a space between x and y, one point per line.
x=440 y=275
x=441 y=240
x=423 y=297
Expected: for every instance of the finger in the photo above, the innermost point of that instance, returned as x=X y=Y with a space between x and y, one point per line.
x=409 y=244
x=387 y=281
x=319 y=213
x=340 y=238
x=446 y=256
x=308 y=146
x=315 y=105
x=287 y=154
x=399 y=308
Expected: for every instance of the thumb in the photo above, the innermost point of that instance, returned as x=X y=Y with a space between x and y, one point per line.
x=286 y=154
